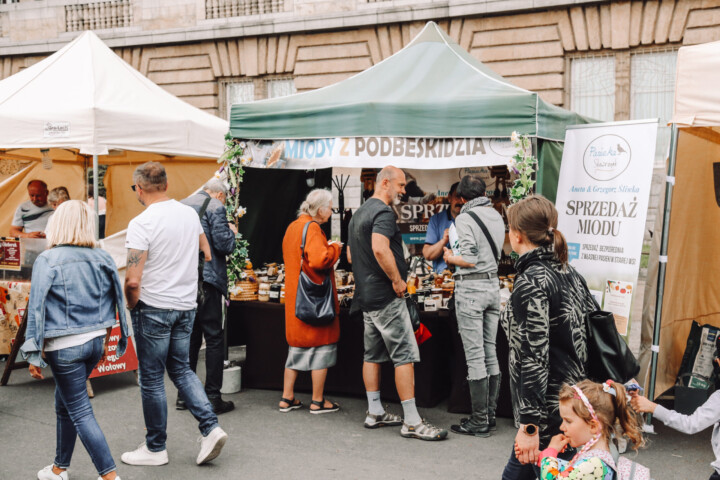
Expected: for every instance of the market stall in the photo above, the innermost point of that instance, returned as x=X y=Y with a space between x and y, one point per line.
x=83 y=107
x=431 y=106
x=84 y=104
x=685 y=286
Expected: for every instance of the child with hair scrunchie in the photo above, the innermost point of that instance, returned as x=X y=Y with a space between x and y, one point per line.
x=589 y=411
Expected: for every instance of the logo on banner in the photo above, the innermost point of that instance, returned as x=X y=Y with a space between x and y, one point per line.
x=606 y=157
x=503 y=147
x=56 y=129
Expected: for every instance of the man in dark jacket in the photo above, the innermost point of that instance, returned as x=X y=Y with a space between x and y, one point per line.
x=209 y=318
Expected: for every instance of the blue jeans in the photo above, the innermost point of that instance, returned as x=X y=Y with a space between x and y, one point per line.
x=162 y=338
x=477 y=309
x=71 y=367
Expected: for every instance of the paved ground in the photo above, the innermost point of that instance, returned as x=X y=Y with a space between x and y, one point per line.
x=266 y=444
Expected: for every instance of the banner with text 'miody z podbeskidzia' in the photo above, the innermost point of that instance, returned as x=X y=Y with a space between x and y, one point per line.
x=376 y=152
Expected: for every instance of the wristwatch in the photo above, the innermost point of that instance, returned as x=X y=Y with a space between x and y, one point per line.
x=530 y=429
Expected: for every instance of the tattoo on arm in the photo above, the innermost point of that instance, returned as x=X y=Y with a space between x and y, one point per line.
x=134 y=257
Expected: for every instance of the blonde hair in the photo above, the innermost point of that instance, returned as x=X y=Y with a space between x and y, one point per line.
x=316 y=200
x=608 y=408
x=73 y=223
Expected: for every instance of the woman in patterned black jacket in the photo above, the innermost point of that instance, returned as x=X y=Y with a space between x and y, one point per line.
x=544 y=323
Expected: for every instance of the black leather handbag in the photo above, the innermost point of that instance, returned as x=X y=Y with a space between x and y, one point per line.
x=609 y=357
x=315 y=303
x=413 y=311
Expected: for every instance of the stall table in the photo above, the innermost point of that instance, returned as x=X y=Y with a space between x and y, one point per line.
x=261 y=327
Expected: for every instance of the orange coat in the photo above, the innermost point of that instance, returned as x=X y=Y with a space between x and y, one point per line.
x=319 y=260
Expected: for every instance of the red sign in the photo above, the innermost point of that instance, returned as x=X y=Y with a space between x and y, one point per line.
x=127 y=363
x=9 y=253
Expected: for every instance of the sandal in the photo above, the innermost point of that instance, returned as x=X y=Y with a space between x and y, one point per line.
x=322 y=408
x=293 y=404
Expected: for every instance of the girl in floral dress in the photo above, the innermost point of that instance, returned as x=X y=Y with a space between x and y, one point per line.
x=589 y=411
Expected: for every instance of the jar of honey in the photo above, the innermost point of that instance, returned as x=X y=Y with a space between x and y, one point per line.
x=264 y=292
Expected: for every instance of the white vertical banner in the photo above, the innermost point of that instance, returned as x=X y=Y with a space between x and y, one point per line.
x=602 y=202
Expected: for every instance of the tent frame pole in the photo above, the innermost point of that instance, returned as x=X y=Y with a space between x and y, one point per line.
x=538 y=167
x=662 y=265
x=95 y=197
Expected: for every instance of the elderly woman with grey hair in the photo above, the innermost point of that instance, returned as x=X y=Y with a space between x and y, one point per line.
x=311 y=348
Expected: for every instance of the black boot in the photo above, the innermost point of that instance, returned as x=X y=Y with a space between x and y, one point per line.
x=477 y=424
x=221 y=406
x=180 y=404
x=493 y=393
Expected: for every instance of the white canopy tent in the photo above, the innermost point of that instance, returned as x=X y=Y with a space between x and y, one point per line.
x=84 y=102
x=689 y=256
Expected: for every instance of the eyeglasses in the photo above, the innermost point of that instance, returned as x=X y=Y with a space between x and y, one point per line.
x=132 y=187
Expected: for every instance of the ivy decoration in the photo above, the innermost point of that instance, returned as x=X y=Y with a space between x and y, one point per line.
x=231 y=172
x=523 y=164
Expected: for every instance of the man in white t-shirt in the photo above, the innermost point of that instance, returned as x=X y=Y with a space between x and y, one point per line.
x=31 y=217
x=161 y=284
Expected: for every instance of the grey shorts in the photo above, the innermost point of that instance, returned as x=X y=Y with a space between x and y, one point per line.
x=389 y=335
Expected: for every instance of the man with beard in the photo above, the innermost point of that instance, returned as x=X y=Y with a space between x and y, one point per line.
x=438 y=229
x=380 y=272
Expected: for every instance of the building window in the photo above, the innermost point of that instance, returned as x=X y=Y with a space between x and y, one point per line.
x=280 y=87
x=240 y=92
x=592 y=87
x=652 y=89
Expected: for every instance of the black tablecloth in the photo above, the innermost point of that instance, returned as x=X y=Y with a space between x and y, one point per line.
x=261 y=327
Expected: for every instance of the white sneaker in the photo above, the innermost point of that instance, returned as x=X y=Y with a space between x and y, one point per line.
x=48 y=474
x=116 y=478
x=143 y=456
x=211 y=445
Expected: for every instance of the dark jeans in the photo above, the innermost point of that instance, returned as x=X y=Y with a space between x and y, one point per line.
x=208 y=323
x=71 y=367
x=514 y=470
x=162 y=339
x=715 y=476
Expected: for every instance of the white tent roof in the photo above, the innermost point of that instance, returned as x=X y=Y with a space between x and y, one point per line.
x=697 y=97
x=86 y=98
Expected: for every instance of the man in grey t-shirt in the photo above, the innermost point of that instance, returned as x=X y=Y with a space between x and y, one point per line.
x=31 y=217
x=477 y=300
x=376 y=253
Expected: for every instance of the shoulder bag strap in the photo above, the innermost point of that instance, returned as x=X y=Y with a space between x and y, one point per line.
x=487 y=235
x=587 y=290
x=204 y=207
x=302 y=245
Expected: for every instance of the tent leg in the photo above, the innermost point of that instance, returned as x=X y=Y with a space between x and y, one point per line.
x=662 y=266
x=96 y=195
x=538 y=167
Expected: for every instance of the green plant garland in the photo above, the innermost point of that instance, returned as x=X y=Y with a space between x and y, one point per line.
x=232 y=173
x=522 y=164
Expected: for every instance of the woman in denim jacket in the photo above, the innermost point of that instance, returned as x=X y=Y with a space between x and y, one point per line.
x=74 y=298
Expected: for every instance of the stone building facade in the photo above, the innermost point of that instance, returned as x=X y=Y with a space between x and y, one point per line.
x=607 y=59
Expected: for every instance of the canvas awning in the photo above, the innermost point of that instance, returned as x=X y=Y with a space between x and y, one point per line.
x=84 y=100
x=431 y=88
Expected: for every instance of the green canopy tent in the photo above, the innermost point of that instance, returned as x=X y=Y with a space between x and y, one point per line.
x=430 y=91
